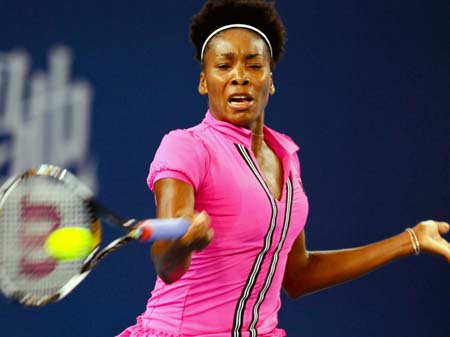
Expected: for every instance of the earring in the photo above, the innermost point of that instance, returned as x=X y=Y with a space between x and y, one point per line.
x=272 y=90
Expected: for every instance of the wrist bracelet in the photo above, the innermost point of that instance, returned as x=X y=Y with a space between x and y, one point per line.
x=414 y=240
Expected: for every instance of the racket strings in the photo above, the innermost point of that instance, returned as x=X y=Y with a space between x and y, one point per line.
x=35 y=207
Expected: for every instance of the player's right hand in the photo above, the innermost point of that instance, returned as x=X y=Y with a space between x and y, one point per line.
x=200 y=233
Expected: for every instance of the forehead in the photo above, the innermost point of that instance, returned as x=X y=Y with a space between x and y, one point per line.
x=238 y=40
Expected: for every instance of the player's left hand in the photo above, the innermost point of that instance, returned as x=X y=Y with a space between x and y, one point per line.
x=430 y=235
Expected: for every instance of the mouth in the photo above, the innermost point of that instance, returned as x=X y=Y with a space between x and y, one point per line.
x=240 y=101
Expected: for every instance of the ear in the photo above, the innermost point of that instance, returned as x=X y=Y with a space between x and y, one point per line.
x=202 y=86
x=272 y=86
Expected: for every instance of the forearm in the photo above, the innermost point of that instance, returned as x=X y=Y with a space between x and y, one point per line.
x=171 y=259
x=328 y=268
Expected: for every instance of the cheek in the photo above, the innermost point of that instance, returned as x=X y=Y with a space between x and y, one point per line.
x=265 y=89
x=215 y=84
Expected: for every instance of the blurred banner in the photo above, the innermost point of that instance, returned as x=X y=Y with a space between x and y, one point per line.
x=45 y=117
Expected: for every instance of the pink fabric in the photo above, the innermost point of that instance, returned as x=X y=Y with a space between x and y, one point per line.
x=238 y=276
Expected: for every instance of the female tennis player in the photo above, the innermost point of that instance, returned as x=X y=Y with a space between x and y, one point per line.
x=239 y=181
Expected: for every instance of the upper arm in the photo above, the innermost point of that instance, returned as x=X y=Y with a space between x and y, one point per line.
x=297 y=262
x=174 y=198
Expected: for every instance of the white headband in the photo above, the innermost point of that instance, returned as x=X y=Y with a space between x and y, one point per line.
x=235 y=25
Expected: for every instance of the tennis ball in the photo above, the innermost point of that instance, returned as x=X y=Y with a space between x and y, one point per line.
x=69 y=243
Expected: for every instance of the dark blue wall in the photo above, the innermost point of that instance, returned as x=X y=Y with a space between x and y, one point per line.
x=363 y=89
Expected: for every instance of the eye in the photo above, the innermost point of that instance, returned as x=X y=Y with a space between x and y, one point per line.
x=223 y=66
x=255 y=66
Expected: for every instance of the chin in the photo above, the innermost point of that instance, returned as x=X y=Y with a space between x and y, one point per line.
x=243 y=121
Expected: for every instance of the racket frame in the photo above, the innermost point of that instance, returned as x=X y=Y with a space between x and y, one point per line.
x=96 y=211
x=145 y=230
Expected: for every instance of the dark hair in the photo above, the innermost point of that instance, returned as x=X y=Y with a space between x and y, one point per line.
x=257 y=13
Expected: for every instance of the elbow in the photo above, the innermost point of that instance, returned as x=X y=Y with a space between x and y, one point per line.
x=293 y=288
x=168 y=267
x=298 y=283
x=298 y=291
x=293 y=293
x=170 y=275
x=167 y=278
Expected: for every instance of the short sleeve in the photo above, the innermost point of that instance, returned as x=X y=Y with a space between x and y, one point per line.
x=181 y=155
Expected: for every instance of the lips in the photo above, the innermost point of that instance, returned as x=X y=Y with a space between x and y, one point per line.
x=240 y=101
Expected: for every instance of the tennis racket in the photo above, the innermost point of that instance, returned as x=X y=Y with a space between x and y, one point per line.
x=42 y=200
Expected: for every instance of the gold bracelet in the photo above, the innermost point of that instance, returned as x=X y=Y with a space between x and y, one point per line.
x=414 y=240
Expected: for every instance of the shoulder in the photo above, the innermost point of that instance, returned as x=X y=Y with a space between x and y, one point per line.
x=287 y=142
x=191 y=135
x=291 y=147
x=180 y=140
x=181 y=155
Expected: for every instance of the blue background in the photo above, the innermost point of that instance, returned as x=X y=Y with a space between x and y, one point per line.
x=363 y=89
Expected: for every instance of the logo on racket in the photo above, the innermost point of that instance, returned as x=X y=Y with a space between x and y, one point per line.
x=37 y=221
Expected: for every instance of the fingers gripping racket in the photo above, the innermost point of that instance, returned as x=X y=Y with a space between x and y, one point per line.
x=46 y=199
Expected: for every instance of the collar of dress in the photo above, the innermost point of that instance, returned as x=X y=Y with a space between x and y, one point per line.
x=243 y=136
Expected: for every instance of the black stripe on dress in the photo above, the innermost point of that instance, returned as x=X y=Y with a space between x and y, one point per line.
x=251 y=280
x=273 y=264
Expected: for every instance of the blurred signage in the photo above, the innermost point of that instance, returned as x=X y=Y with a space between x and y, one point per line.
x=44 y=116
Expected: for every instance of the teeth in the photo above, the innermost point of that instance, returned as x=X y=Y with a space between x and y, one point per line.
x=240 y=98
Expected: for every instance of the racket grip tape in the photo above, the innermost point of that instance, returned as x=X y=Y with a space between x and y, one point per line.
x=162 y=229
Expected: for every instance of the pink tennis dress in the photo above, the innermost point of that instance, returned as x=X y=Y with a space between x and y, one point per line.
x=232 y=287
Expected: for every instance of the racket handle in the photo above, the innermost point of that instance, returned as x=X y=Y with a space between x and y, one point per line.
x=161 y=229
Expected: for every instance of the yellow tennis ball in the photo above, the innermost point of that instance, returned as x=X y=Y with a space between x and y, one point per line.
x=69 y=243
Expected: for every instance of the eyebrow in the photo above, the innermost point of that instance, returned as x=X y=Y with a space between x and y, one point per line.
x=230 y=55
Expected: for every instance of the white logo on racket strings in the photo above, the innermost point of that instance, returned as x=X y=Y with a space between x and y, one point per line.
x=44 y=117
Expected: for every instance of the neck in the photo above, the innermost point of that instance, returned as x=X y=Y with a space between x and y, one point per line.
x=257 y=135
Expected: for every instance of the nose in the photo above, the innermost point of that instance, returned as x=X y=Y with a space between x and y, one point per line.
x=240 y=76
